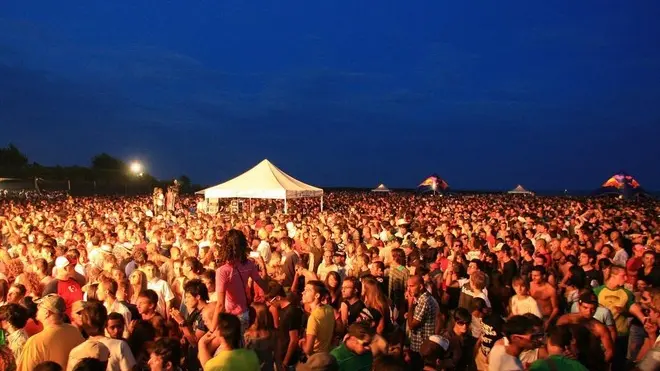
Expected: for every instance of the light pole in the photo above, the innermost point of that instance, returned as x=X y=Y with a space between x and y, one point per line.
x=136 y=169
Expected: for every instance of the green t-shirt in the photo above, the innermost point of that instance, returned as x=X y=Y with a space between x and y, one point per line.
x=561 y=363
x=234 y=360
x=349 y=361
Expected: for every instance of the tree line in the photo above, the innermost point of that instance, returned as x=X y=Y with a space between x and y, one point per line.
x=103 y=169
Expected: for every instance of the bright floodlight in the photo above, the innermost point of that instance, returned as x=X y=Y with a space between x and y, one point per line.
x=136 y=167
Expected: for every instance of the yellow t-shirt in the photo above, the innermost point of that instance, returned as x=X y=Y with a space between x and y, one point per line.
x=54 y=343
x=618 y=301
x=321 y=323
x=234 y=360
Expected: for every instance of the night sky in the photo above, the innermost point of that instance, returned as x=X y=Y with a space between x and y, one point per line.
x=488 y=94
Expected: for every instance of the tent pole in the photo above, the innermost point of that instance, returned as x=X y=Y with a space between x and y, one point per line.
x=285 y=206
x=321 y=203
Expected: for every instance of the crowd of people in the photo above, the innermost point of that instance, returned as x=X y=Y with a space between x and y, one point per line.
x=373 y=282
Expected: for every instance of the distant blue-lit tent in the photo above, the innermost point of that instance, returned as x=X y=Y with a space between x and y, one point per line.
x=621 y=184
x=433 y=184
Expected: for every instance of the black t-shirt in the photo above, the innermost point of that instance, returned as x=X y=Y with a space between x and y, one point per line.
x=593 y=275
x=354 y=311
x=526 y=267
x=291 y=318
x=509 y=271
x=491 y=331
x=652 y=278
x=289 y=268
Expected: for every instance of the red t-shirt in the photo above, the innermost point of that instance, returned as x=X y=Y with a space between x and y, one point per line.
x=69 y=290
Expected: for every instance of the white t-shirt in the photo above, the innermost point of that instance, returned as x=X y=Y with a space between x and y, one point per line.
x=500 y=360
x=118 y=307
x=523 y=306
x=264 y=251
x=164 y=292
x=121 y=357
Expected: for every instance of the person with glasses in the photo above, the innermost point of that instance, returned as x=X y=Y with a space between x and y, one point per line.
x=354 y=354
x=560 y=340
x=518 y=336
x=459 y=354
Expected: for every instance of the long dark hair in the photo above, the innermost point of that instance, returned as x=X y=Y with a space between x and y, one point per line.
x=234 y=249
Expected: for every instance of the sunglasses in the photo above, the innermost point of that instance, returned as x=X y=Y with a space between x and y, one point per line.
x=363 y=343
x=462 y=323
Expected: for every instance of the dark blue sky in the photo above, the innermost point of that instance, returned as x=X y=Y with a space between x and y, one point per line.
x=487 y=94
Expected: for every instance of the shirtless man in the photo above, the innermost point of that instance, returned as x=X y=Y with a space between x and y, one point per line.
x=587 y=306
x=544 y=294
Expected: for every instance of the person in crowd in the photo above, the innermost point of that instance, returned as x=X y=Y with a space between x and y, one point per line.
x=620 y=301
x=116 y=353
x=232 y=277
x=229 y=354
x=351 y=305
x=518 y=334
x=65 y=284
x=107 y=293
x=321 y=321
x=13 y=319
x=55 y=341
x=545 y=294
x=522 y=303
x=560 y=342
x=459 y=352
x=354 y=353
x=160 y=287
x=260 y=336
x=289 y=316
x=587 y=306
x=164 y=355
x=421 y=319
x=116 y=326
x=147 y=305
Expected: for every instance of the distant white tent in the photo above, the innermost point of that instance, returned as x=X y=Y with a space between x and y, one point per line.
x=265 y=180
x=520 y=190
x=381 y=188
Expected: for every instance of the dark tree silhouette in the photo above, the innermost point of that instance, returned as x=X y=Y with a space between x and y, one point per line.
x=12 y=157
x=104 y=161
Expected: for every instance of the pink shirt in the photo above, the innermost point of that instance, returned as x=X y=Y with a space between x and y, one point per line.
x=232 y=279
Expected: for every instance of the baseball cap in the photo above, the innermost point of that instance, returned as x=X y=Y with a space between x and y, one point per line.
x=434 y=346
x=52 y=302
x=62 y=262
x=78 y=306
x=319 y=362
x=90 y=349
x=588 y=298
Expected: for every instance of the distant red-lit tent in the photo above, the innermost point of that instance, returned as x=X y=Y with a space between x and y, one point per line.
x=621 y=184
x=433 y=184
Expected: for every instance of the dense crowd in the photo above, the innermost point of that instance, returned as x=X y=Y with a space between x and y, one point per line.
x=373 y=282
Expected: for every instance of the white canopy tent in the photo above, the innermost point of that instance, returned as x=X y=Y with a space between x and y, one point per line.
x=520 y=190
x=381 y=189
x=265 y=180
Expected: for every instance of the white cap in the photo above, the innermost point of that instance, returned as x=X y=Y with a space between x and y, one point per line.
x=61 y=262
x=443 y=342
